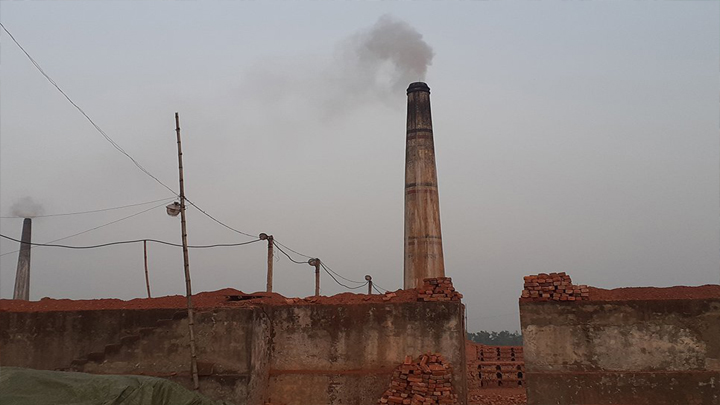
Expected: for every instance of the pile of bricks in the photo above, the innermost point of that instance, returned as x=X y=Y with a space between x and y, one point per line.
x=438 y=289
x=555 y=287
x=427 y=381
x=494 y=366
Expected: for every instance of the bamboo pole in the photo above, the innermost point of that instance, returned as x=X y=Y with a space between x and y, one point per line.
x=147 y=277
x=186 y=262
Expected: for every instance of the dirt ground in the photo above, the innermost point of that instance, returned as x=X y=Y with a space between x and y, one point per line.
x=497 y=396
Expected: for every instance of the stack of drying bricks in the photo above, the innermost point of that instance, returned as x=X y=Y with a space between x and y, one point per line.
x=438 y=289
x=427 y=381
x=554 y=286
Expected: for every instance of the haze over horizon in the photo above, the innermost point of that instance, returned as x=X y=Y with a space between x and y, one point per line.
x=570 y=136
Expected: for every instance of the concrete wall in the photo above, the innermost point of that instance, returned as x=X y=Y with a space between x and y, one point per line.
x=639 y=352
x=145 y=342
x=332 y=354
x=292 y=355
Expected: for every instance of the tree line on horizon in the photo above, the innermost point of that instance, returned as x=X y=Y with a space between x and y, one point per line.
x=502 y=338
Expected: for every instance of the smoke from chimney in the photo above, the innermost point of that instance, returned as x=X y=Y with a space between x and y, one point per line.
x=390 y=48
x=368 y=67
x=26 y=207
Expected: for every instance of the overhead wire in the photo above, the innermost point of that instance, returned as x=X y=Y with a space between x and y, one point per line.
x=218 y=221
x=376 y=285
x=96 y=126
x=344 y=278
x=135 y=162
x=336 y=280
x=97 y=227
x=332 y=273
x=294 y=251
x=91 y=211
x=276 y=244
x=124 y=242
x=109 y=139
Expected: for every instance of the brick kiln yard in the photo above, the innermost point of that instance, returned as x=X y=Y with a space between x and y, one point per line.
x=354 y=348
x=252 y=348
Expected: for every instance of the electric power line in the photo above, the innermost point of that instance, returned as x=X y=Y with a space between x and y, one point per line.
x=294 y=251
x=108 y=138
x=135 y=162
x=97 y=227
x=92 y=211
x=124 y=242
x=96 y=126
x=218 y=221
x=376 y=285
x=344 y=278
x=287 y=255
x=336 y=280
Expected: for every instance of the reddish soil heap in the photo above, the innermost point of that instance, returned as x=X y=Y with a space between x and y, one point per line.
x=553 y=286
x=708 y=291
x=425 y=381
x=548 y=287
x=438 y=289
x=204 y=300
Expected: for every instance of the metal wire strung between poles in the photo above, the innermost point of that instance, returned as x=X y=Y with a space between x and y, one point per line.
x=344 y=278
x=287 y=255
x=339 y=283
x=140 y=166
x=91 y=211
x=125 y=242
x=97 y=227
x=376 y=285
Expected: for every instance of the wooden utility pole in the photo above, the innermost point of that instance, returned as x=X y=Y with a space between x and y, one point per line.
x=186 y=261
x=369 y=280
x=316 y=262
x=271 y=242
x=147 y=277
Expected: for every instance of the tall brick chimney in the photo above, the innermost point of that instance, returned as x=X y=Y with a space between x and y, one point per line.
x=423 y=239
x=22 y=277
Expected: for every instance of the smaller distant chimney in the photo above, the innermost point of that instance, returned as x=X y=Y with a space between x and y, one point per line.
x=22 y=277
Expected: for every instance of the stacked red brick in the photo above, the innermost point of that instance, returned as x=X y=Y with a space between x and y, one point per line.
x=553 y=287
x=438 y=289
x=494 y=366
x=427 y=381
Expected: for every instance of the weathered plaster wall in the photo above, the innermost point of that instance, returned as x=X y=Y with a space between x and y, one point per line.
x=637 y=352
x=292 y=355
x=148 y=342
x=333 y=354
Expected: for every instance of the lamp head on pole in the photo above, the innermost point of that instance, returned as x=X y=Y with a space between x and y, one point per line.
x=314 y=262
x=173 y=209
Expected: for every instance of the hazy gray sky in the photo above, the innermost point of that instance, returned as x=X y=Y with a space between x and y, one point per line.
x=570 y=136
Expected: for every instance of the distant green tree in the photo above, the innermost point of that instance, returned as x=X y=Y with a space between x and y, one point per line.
x=502 y=338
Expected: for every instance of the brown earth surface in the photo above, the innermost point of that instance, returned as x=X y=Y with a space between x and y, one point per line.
x=204 y=300
x=497 y=396
x=707 y=291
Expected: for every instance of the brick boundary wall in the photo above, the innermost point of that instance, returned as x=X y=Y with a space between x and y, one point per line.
x=639 y=346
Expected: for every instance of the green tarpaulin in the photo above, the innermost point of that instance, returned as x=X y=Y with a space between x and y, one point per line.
x=22 y=386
